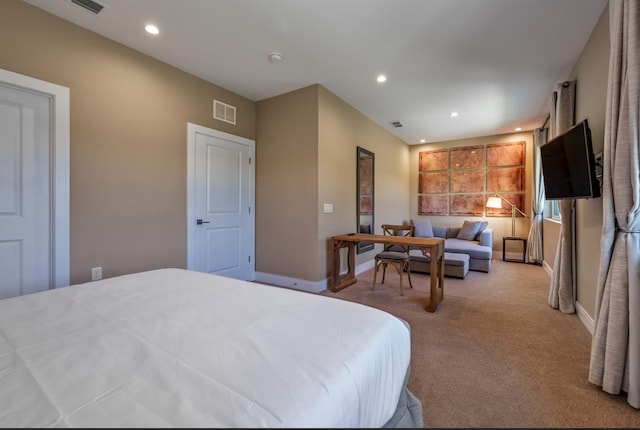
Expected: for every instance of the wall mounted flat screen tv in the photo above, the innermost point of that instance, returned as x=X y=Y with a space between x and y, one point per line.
x=568 y=165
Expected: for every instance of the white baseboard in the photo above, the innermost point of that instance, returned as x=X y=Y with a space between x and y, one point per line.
x=302 y=284
x=583 y=316
x=547 y=269
x=586 y=319
x=365 y=266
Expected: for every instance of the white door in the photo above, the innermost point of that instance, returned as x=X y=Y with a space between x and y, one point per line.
x=25 y=220
x=34 y=185
x=220 y=211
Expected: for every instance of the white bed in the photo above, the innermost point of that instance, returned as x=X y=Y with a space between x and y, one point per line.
x=177 y=348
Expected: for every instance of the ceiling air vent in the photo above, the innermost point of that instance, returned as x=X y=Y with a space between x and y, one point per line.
x=89 y=5
x=397 y=124
x=224 y=112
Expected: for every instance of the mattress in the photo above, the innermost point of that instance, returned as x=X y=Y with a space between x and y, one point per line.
x=177 y=348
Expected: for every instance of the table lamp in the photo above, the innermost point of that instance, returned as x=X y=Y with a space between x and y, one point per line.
x=496 y=203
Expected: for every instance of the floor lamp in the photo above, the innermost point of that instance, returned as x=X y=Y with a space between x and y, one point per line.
x=496 y=203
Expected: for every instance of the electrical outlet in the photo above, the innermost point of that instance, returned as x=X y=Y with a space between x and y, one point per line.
x=96 y=273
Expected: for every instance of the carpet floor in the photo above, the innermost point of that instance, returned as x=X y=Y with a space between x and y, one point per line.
x=495 y=354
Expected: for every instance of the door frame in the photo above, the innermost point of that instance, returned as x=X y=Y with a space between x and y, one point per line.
x=192 y=131
x=59 y=161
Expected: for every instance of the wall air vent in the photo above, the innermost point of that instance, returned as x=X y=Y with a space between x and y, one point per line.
x=224 y=112
x=397 y=124
x=89 y=5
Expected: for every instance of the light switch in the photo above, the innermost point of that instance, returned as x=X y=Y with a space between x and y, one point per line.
x=328 y=208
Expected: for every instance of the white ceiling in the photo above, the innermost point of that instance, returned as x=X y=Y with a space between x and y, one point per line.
x=495 y=62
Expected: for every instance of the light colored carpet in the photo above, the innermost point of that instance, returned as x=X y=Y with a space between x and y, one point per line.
x=495 y=354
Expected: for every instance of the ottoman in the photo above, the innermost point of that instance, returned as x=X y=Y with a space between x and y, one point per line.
x=456 y=265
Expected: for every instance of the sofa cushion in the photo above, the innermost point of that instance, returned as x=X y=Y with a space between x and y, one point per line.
x=423 y=228
x=474 y=249
x=456 y=265
x=469 y=230
x=450 y=258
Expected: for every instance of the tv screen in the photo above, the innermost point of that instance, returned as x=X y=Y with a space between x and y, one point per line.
x=568 y=165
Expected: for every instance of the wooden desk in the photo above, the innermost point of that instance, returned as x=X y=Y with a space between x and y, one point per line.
x=433 y=246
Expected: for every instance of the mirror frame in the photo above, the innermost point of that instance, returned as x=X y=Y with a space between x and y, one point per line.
x=361 y=180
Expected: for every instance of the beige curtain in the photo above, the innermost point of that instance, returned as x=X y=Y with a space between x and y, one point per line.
x=534 y=241
x=562 y=291
x=615 y=349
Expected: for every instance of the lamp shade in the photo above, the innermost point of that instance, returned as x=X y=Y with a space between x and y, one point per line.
x=494 y=202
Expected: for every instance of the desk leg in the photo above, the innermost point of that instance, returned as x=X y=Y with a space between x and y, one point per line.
x=338 y=281
x=441 y=272
x=437 y=278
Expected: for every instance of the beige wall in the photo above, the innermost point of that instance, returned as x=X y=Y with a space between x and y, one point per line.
x=306 y=157
x=342 y=129
x=591 y=73
x=287 y=184
x=501 y=225
x=128 y=155
x=129 y=117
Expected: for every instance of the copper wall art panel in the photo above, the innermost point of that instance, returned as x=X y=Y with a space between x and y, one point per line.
x=366 y=206
x=505 y=154
x=516 y=199
x=366 y=186
x=467 y=181
x=433 y=204
x=366 y=176
x=467 y=204
x=473 y=173
x=505 y=179
x=365 y=222
x=433 y=160
x=433 y=182
x=467 y=157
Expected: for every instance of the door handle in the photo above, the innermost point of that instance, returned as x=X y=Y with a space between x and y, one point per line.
x=199 y=221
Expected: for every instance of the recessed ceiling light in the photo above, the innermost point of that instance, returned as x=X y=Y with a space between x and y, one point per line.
x=423 y=140
x=275 y=57
x=381 y=78
x=518 y=128
x=453 y=114
x=152 y=29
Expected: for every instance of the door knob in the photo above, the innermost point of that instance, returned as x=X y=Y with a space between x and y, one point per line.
x=199 y=221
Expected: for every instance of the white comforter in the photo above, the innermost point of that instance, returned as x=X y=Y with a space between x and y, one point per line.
x=172 y=347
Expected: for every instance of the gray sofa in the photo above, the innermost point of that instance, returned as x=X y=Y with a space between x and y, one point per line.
x=460 y=255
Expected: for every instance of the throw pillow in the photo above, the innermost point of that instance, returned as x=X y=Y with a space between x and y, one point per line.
x=469 y=230
x=423 y=228
x=483 y=226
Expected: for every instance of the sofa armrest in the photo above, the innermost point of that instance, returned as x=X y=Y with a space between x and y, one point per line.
x=486 y=237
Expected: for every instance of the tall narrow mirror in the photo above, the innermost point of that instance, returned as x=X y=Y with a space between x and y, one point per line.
x=364 y=197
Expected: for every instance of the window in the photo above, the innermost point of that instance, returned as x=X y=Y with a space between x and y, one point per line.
x=555 y=210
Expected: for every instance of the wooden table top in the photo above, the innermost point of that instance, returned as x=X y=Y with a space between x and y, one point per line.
x=387 y=239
